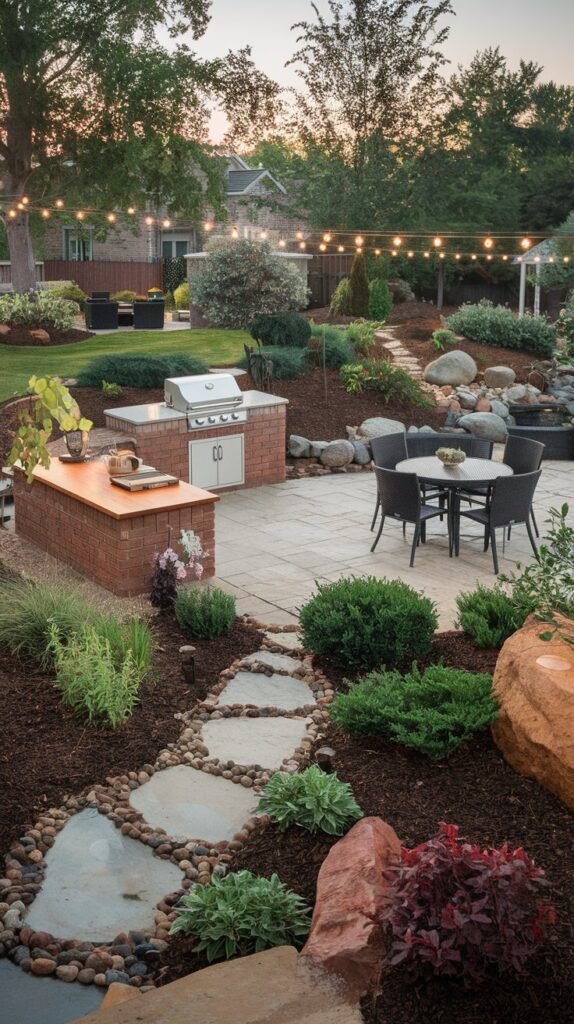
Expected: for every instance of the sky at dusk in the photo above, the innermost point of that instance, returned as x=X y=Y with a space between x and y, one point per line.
x=538 y=30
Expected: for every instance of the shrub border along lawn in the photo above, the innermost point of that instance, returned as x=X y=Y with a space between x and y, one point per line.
x=216 y=346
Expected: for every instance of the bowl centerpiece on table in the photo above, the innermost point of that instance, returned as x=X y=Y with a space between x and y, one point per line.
x=450 y=456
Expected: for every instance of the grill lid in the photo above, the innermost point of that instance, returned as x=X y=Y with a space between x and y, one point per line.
x=202 y=391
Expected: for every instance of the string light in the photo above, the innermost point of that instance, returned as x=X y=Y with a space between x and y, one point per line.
x=298 y=234
x=488 y=243
x=566 y=259
x=59 y=204
x=302 y=245
x=551 y=259
x=457 y=255
x=131 y=210
x=340 y=248
x=234 y=233
x=473 y=256
x=45 y=214
x=489 y=257
x=410 y=254
x=111 y=217
x=525 y=243
x=505 y=258
x=207 y=226
x=166 y=223
x=442 y=255
x=282 y=243
x=397 y=241
x=437 y=242
x=359 y=249
x=537 y=259
x=25 y=200
x=322 y=247
x=359 y=240
x=20 y=206
x=393 y=252
x=149 y=221
x=263 y=235
x=519 y=259
x=426 y=255
x=327 y=237
x=377 y=252
x=12 y=213
x=80 y=215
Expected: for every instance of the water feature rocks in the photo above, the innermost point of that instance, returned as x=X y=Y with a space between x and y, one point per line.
x=467 y=399
x=317 y=448
x=379 y=426
x=299 y=447
x=486 y=425
x=337 y=454
x=362 y=454
x=451 y=368
x=499 y=408
x=516 y=393
x=499 y=376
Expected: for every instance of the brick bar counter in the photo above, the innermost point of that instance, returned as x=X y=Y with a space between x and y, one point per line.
x=164 y=440
x=109 y=535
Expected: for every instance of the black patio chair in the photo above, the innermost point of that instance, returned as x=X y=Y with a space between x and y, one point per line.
x=400 y=498
x=100 y=315
x=510 y=505
x=149 y=315
x=101 y=295
x=524 y=455
x=387 y=451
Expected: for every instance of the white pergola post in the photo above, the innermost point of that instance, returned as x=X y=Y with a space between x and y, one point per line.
x=537 y=290
x=522 y=296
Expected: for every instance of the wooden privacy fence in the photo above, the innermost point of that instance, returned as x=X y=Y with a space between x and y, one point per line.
x=325 y=272
x=106 y=275
x=6 y=272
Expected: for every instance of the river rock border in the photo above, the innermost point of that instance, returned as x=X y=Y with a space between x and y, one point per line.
x=131 y=955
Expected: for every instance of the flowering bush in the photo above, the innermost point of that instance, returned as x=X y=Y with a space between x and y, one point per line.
x=243 y=279
x=38 y=309
x=460 y=911
x=169 y=569
x=497 y=325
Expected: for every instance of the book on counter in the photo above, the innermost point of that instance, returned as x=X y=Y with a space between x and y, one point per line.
x=144 y=479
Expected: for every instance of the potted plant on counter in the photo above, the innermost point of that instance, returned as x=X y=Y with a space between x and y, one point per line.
x=50 y=402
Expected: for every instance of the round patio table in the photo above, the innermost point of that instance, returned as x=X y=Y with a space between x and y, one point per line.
x=468 y=475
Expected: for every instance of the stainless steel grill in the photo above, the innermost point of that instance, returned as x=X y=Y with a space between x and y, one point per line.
x=208 y=400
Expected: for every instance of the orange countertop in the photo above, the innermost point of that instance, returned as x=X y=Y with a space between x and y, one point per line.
x=89 y=483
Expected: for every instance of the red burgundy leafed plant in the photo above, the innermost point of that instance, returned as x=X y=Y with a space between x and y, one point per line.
x=460 y=911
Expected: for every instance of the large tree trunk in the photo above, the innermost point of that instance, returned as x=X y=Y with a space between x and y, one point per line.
x=21 y=252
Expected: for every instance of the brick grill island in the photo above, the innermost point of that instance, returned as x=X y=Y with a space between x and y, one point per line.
x=109 y=535
x=208 y=456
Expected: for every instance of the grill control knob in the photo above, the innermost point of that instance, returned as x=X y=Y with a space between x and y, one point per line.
x=234 y=415
x=224 y=419
x=199 y=422
x=211 y=419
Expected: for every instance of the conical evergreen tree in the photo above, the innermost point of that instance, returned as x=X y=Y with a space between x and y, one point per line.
x=359 y=282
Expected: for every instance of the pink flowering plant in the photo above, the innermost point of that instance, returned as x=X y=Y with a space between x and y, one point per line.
x=461 y=911
x=169 y=569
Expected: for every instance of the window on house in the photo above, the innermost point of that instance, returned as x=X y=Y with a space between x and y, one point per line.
x=78 y=246
x=172 y=245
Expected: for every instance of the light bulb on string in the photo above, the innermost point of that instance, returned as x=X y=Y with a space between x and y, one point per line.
x=473 y=256
x=551 y=259
x=45 y=214
x=519 y=259
x=80 y=215
x=322 y=247
x=393 y=252
x=410 y=254
x=525 y=243
x=505 y=258
x=282 y=243
x=488 y=243
x=111 y=218
x=397 y=242
x=166 y=223
x=208 y=226
x=149 y=221
x=263 y=235
x=234 y=233
x=25 y=200
x=377 y=252
x=457 y=255
x=20 y=206
x=12 y=214
x=302 y=245
x=437 y=242
x=131 y=210
x=340 y=248
x=298 y=234
x=327 y=236
x=359 y=241
x=442 y=255
x=489 y=257
x=537 y=259
x=426 y=255
x=359 y=250
x=59 y=204
x=566 y=259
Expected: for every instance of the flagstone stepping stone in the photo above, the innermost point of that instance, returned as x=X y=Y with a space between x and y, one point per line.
x=288 y=641
x=249 y=741
x=192 y=805
x=98 y=882
x=281 y=662
x=263 y=691
x=29 y=1000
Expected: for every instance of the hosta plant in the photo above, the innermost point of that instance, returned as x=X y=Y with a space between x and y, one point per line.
x=466 y=912
x=241 y=914
x=313 y=800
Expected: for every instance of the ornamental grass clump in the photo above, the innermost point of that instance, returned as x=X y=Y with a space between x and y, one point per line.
x=29 y=610
x=241 y=914
x=312 y=799
x=133 y=636
x=459 y=911
x=93 y=684
x=366 y=623
x=489 y=616
x=434 y=712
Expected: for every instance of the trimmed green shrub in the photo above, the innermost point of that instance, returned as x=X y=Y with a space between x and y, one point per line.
x=380 y=300
x=123 y=296
x=365 y=623
x=338 y=351
x=181 y=296
x=433 y=711
x=312 y=800
x=391 y=382
x=133 y=636
x=72 y=292
x=359 y=283
x=139 y=370
x=497 y=325
x=243 y=279
x=287 y=362
x=204 y=614
x=341 y=298
x=489 y=616
x=241 y=914
x=28 y=610
x=91 y=681
x=289 y=330
x=401 y=291
x=441 y=338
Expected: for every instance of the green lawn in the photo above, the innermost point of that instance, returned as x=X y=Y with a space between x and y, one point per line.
x=215 y=346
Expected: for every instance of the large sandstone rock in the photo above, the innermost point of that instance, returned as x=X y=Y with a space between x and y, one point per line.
x=486 y=425
x=499 y=376
x=352 y=887
x=534 y=685
x=378 y=426
x=337 y=454
x=455 y=367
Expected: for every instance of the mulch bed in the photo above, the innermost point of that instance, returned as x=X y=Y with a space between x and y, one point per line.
x=47 y=754
x=20 y=335
x=476 y=789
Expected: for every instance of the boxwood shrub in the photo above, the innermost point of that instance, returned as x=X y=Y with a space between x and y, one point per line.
x=288 y=330
x=204 y=614
x=366 y=623
x=497 y=325
x=139 y=370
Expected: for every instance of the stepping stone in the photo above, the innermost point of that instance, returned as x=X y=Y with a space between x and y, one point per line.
x=193 y=805
x=249 y=741
x=98 y=883
x=28 y=1000
x=281 y=662
x=288 y=641
x=263 y=691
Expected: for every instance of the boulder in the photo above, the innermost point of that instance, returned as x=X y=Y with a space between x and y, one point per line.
x=378 y=426
x=498 y=407
x=467 y=399
x=517 y=393
x=499 y=376
x=352 y=888
x=455 y=367
x=317 y=447
x=299 y=447
x=362 y=454
x=40 y=336
x=483 y=405
x=534 y=685
x=485 y=424
x=337 y=454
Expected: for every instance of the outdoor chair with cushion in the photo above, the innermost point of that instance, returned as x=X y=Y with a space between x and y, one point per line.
x=149 y=315
x=100 y=315
x=101 y=295
x=387 y=451
x=400 y=499
x=524 y=455
x=510 y=504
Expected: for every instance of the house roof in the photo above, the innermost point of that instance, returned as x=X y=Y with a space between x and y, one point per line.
x=542 y=252
x=240 y=183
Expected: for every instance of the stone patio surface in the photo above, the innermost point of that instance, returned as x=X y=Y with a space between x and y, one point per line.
x=274 y=542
